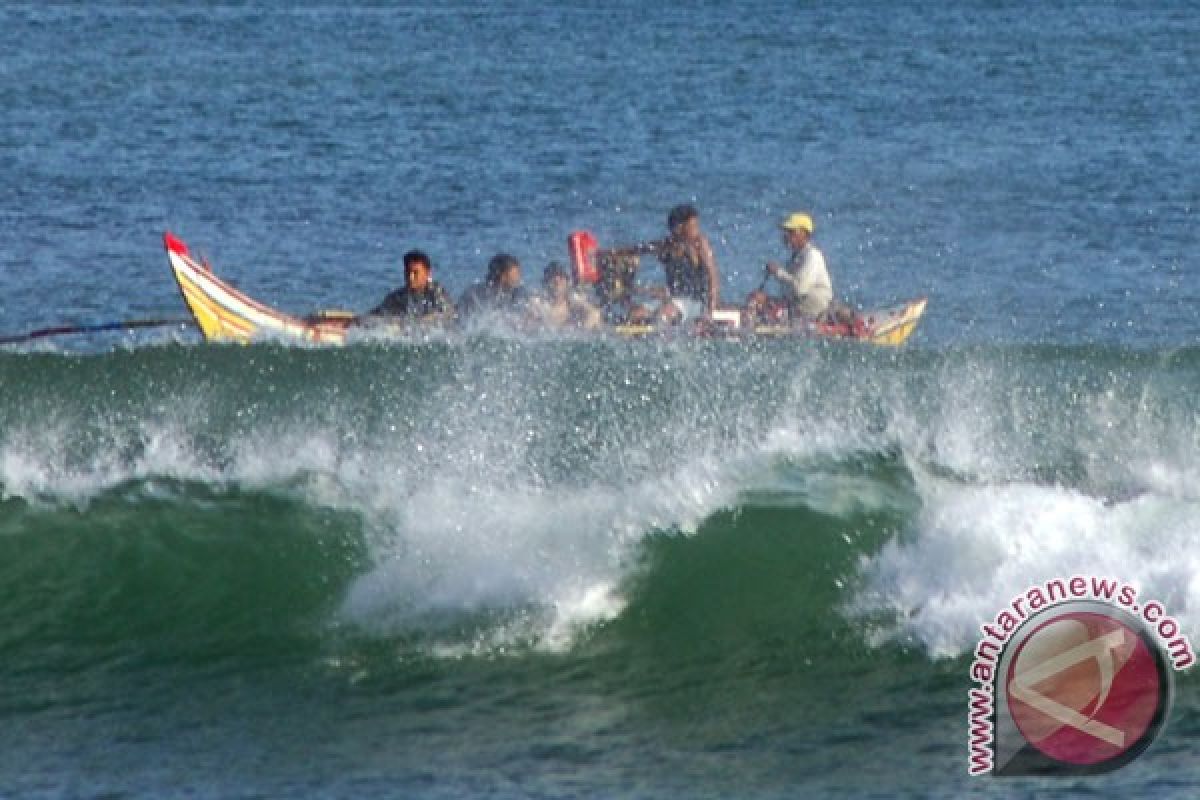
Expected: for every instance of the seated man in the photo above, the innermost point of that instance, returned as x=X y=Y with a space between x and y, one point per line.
x=500 y=292
x=421 y=298
x=806 y=285
x=617 y=288
x=693 y=282
x=558 y=305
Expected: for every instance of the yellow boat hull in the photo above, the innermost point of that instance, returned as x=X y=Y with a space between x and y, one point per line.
x=224 y=314
x=892 y=327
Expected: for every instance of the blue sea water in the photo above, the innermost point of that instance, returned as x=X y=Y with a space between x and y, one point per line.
x=1026 y=165
x=504 y=567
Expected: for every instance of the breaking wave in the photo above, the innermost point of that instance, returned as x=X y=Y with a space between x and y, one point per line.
x=500 y=495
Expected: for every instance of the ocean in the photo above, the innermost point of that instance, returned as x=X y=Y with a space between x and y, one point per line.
x=512 y=565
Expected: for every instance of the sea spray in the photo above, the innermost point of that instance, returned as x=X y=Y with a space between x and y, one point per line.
x=514 y=482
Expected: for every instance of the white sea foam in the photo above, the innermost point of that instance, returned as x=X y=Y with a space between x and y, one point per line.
x=460 y=523
x=975 y=547
x=554 y=556
x=41 y=466
x=458 y=518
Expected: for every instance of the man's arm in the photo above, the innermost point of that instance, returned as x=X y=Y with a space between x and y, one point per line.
x=714 y=277
x=810 y=278
x=783 y=276
x=653 y=247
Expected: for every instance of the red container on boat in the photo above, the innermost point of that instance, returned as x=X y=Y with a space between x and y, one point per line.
x=582 y=246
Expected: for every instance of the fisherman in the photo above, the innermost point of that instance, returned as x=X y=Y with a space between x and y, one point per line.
x=559 y=305
x=500 y=292
x=693 y=281
x=421 y=298
x=806 y=285
x=616 y=291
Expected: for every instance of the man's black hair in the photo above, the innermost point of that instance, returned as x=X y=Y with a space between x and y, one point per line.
x=681 y=214
x=500 y=264
x=414 y=256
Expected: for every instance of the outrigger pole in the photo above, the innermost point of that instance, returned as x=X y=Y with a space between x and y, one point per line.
x=123 y=325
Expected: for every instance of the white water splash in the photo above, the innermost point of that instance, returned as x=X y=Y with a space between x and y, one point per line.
x=556 y=556
x=975 y=547
x=459 y=525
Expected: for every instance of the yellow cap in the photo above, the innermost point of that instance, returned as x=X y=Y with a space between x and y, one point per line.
x=798 y=222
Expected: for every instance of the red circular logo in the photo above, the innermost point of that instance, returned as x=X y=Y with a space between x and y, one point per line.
x=1085 y=688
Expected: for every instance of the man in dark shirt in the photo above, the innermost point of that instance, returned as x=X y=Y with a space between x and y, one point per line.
x=421 y=298
x=693 y=280
x=501 y=292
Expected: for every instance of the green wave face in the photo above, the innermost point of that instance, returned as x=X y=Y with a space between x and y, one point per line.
x=511 y=493
x=761 y=557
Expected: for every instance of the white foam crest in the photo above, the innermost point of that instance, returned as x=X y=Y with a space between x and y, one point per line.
x=974 y=548
x=540 y=563
x=806 y=433
x=1150 y=443
x=972 y=420
x=39 y=466
x=550 y=560
x=1164 y=478
x=56 y=463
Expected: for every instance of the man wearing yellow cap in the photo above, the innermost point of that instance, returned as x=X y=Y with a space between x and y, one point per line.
x=805 y=280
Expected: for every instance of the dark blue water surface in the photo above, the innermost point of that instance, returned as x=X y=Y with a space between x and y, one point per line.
x=1029 y=166
x=523 y=566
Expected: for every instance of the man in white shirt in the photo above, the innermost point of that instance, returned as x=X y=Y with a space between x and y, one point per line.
x=805 y=280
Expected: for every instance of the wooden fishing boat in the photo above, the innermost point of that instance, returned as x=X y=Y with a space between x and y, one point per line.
x=225 y=314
